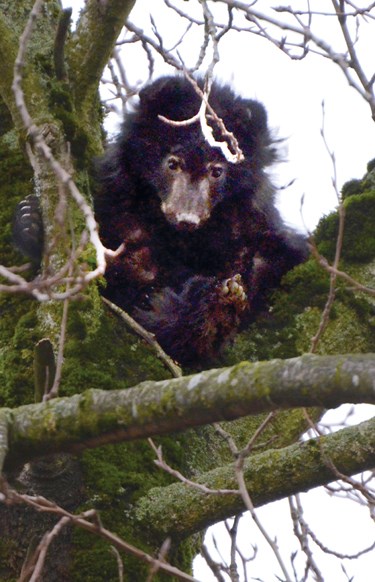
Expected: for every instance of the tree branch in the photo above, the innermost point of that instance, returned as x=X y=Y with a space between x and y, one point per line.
x=352 y=71
x=98 y=417
x=180 y=510
x=91 y=47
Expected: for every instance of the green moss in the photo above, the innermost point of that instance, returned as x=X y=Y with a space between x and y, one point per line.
x=352 y=188
x=100 y=352
x=15 y=184
x=6 y=120
x=116 y=473
x=116 y=477
x=359 y=234
x=274 y=333
x=62 y=105
x=95 y=561
x=18 y=359
x=346 y=333
x=18 y=313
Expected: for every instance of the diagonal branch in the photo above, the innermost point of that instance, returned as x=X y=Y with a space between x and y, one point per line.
x=179 y=510
x=92 y=44
x=357 y=80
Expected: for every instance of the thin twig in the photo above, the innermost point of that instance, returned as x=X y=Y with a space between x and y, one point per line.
x=147 y=336
x=340 y=237
x=43 y=505
x=159 y=462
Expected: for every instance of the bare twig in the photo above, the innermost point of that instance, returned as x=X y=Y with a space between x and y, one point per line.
x=333 y=276
x=161 y=558
x=233 y=532
x=215 y=567
x=94 y=526
x=147 y=336
x=120 y=564
x=301 y=532
x=356 y=285
x=240 y=457
x=351 y=69
x=367 y=494
x=159 y=462
x=53 y=393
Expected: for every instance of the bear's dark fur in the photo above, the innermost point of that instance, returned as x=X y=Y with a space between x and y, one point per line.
x=203 y=239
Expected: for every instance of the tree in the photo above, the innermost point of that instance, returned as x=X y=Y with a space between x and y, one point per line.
x=60 y=510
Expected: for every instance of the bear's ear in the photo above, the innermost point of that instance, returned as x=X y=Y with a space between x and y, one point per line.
x=250 y=126
x=153 y=91
x=172 y=96
x=160 y=93
x=256 y=116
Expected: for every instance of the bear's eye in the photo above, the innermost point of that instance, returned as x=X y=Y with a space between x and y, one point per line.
x=174 y=163
x=216 y=171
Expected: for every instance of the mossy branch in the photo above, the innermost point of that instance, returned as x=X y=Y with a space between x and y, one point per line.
x=59 y=47
x=98 y=417
x=90 y=49
x=179 y=510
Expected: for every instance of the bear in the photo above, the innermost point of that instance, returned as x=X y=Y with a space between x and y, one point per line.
x=203 y=240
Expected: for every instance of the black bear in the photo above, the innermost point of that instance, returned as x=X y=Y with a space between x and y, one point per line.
x=202 y=238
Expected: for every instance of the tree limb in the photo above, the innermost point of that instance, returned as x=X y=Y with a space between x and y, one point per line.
x=98 y=417
x=181 y=510
x=89 y=51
